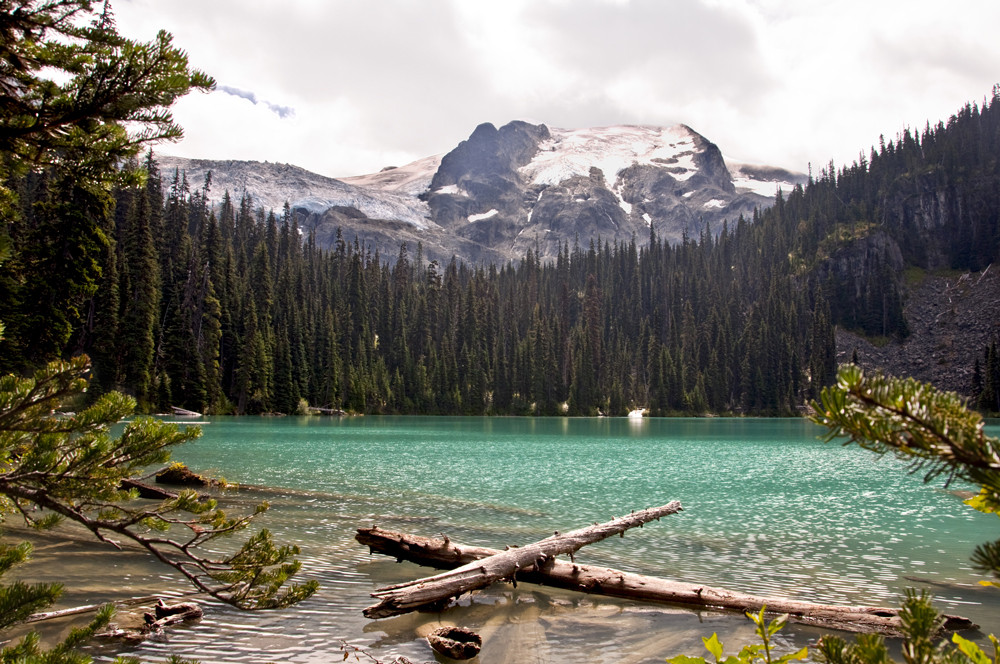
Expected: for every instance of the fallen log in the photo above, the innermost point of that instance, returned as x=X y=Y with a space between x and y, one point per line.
x=446 y=554
x=146 y=490
x=434 y=590
x=184 y=412
x=163 y=616
x=88 y=608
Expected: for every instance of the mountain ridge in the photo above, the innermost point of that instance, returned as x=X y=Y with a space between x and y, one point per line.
x=504 y=191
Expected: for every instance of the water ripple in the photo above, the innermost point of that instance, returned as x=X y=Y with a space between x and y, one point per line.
x=768 y=510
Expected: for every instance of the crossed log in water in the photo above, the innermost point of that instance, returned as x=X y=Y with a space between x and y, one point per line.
x=478 y=567
x=433 y=590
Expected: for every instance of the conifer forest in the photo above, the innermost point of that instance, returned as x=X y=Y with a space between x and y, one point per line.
x=230 y=309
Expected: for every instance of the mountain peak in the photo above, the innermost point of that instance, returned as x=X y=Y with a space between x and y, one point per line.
x=521 y=186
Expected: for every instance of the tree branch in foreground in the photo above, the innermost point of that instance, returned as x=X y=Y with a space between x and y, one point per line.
x=72 y=468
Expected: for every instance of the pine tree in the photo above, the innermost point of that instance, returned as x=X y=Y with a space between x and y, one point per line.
x=72 y=469
x=111 y=96
x=140 y=281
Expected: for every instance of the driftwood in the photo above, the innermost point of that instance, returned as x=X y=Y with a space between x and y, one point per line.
x=61 y=613
x=455 y=642
x=184 y=412
x=87 y=608
x=163 y=615
x=446 y=554
x=434 y=590
x=316 y=410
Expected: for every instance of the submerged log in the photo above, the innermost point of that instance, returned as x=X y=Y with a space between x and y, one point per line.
x=88 y=608
x=455 y=642
x=446 y=554
x=146 y=490
x=406 y=597
x=165 y=615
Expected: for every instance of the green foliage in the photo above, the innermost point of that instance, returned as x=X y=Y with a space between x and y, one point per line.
x=19 y=600
x=921 y=627
x=238 y=315
x=276 y=321
x=920 y=624
x=78 y=95
x=974 y=652
x=986 y=381
x=73 y=468
x=754 y=653
x=77 y=102
x=29 y=651
x=932 y=429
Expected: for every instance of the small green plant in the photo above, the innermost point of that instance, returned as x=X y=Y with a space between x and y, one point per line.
x=921 y=627
x=753 y=653
x=920 y=624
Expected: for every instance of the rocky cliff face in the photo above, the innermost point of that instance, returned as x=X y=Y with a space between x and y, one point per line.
x=504 y=191
x=952 y=319
x=917 y=296
x=526 y=186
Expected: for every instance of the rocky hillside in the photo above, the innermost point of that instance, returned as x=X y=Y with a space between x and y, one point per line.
x=504 y=191
x=952 y=319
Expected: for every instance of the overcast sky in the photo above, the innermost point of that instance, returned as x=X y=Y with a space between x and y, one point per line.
x=346 y=87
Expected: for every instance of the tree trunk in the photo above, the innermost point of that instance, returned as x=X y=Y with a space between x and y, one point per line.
x=605 y=581
x=406 y=597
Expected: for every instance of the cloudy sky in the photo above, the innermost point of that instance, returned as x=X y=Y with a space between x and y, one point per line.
x=346 y=87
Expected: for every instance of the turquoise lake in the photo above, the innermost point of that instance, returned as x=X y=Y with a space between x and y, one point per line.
x=768 y=509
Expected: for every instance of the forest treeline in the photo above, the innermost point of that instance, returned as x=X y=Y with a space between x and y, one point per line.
x=232 y=309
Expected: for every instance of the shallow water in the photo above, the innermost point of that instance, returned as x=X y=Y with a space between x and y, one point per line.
x=768 y=509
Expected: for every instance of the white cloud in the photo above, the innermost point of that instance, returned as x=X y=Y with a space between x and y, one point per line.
x=380 y=83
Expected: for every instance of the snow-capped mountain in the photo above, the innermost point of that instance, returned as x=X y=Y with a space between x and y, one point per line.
x=522 y=186
x=527 y=186
x=270 y=186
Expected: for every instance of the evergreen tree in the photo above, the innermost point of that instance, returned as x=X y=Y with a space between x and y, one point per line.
x=140 y=292
x=72 y=469
x=78 y=96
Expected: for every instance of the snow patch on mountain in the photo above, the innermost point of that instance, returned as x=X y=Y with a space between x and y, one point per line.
x=413 y=178
x=473 y=218
x=574 y=152
x=763 y=180
x=505 y=191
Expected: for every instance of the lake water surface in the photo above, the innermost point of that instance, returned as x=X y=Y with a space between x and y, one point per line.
x=768 y=509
